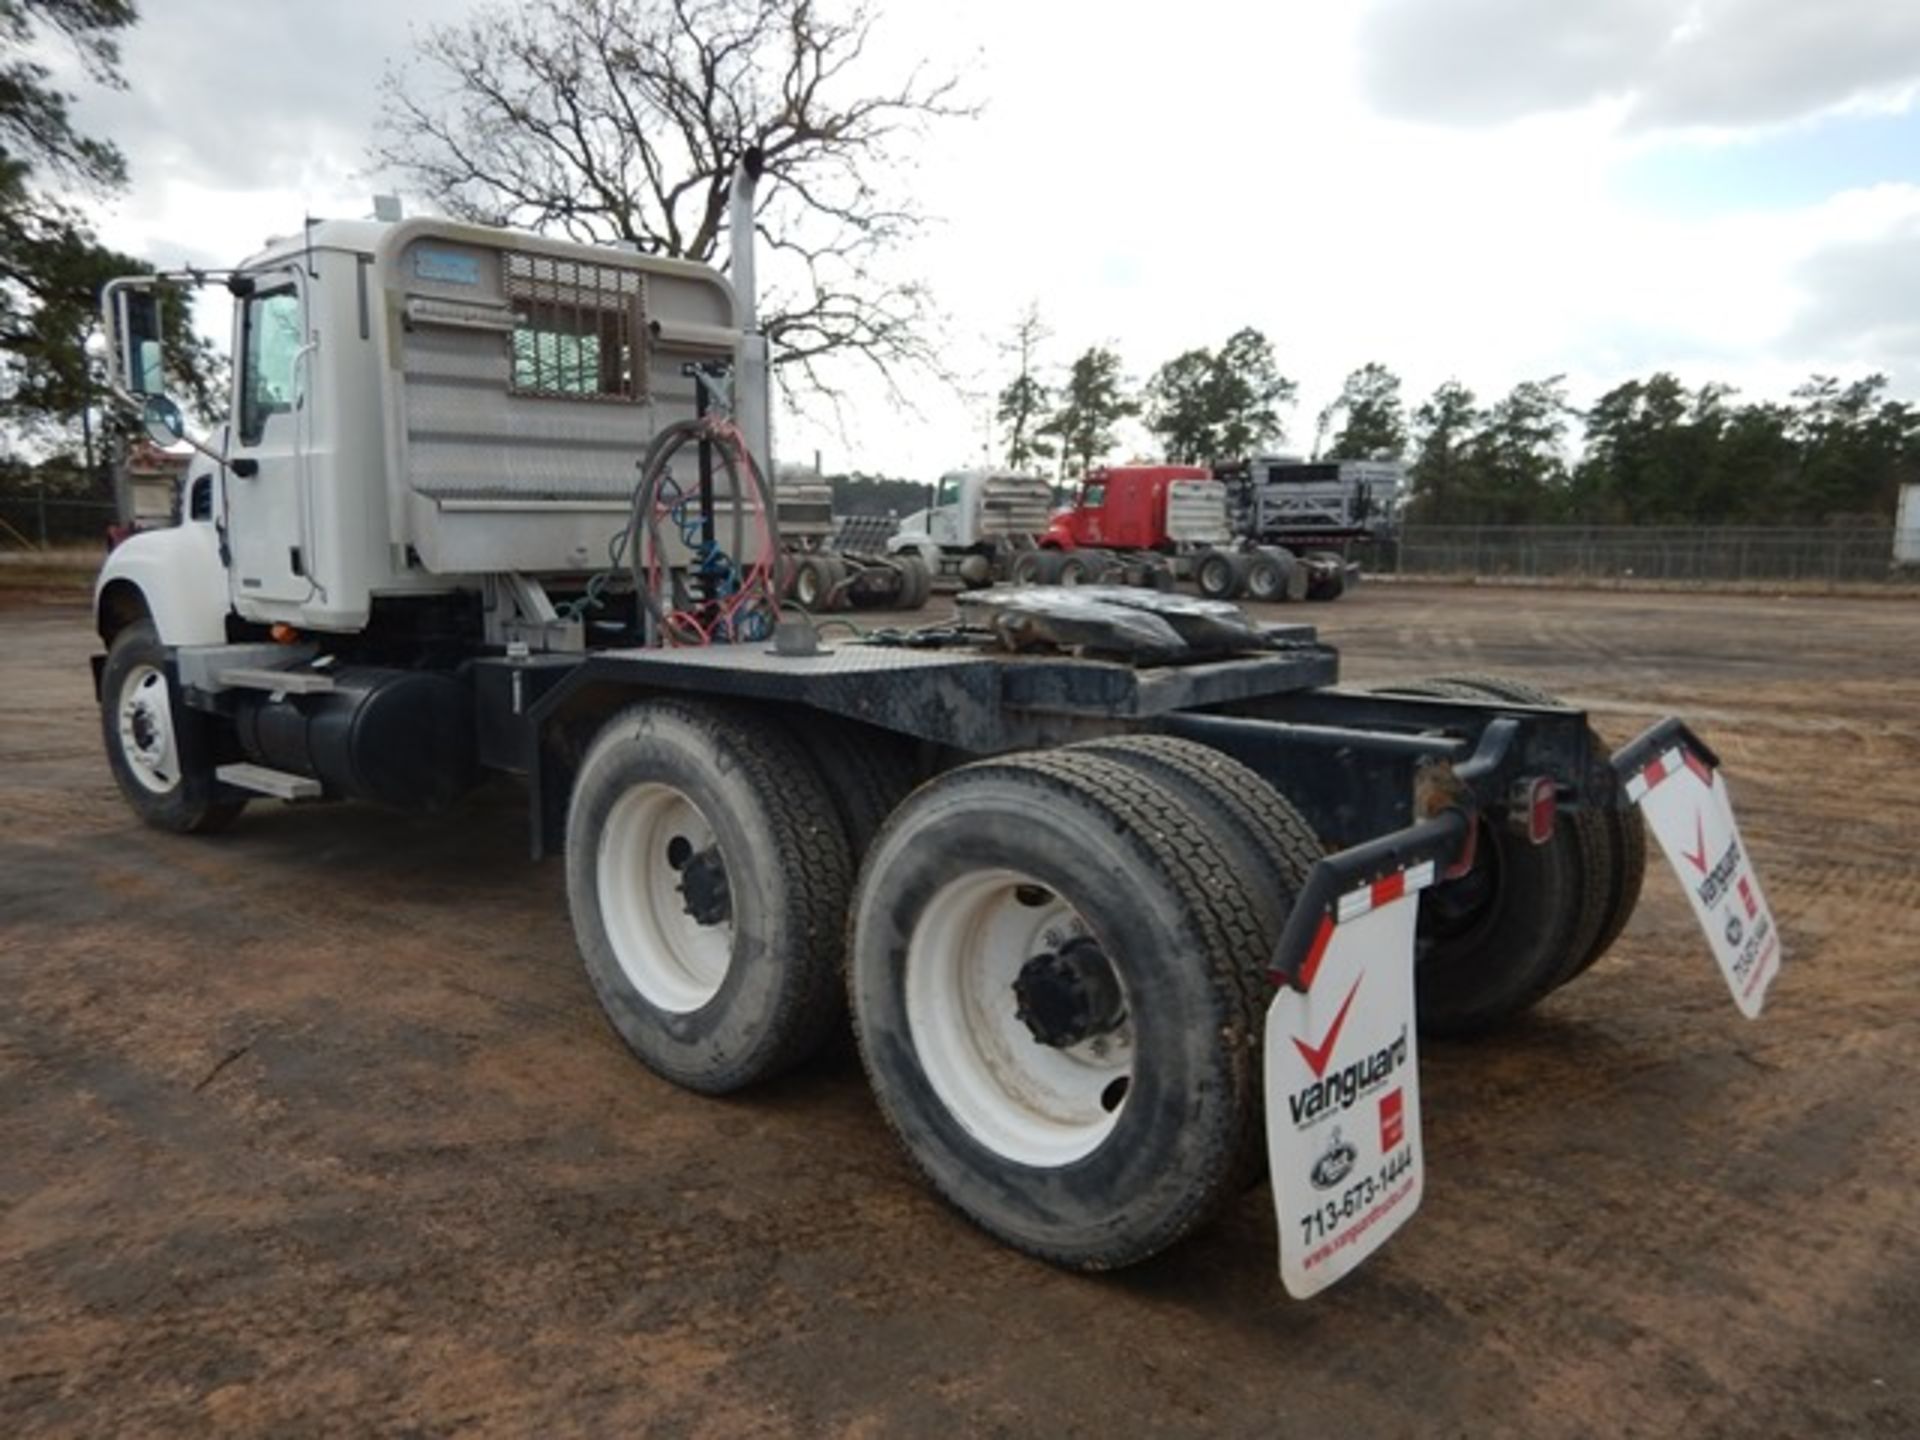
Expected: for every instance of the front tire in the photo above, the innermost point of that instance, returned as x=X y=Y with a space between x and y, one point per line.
x=161 y=752
x=707 y=874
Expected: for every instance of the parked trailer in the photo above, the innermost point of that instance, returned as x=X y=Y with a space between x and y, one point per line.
x=841 y=562
x=1101 y=876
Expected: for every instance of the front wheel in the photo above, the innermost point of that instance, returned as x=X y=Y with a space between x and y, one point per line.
x=161 y=752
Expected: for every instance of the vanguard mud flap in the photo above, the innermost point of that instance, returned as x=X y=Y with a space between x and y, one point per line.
x=1342 y=1079
x=1343 y=1058
x=1675 y=780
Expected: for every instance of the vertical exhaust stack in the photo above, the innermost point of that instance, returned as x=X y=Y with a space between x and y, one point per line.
x=752 y=381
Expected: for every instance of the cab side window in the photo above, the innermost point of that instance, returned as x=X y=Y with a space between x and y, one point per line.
x=948 y=492
x=1093 y=497
x=272 y=341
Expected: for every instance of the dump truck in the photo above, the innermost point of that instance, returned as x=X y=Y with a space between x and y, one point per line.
x=1316 y=509
x=1127 y=900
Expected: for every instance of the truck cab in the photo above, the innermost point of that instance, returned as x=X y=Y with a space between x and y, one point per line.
x=1143 y=507
x=975 y=508
x=981 y=527
x=416 y=406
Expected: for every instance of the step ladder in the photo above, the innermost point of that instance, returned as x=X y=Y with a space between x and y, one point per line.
x=280 y=784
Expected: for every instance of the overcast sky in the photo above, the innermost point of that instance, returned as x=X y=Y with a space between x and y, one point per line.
x=1490 y=190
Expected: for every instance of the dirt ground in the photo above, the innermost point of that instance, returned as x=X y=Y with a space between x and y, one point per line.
x=315 y=1127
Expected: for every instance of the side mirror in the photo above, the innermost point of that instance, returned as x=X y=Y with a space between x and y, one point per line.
x=162 y=421
x=138 y=353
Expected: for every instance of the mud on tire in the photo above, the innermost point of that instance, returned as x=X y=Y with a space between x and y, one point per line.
x=707 y=875
x=1001 y=874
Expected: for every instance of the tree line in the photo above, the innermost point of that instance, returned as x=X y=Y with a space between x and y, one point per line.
x=1649 y=451
x=52 y=265
x=623 y=120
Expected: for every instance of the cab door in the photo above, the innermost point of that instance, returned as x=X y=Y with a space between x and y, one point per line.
x=944 y=525
x=1090 y=514
x=267 y=453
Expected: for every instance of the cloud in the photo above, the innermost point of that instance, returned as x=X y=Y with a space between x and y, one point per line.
x=255 y=96
x=1862 y=301
x=1466 y=245
x=1668 y=64
x=1484 y=62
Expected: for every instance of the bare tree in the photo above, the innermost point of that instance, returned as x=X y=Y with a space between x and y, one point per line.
x=1022 y=405
x=621 y=120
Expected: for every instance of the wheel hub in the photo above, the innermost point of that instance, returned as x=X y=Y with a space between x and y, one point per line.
x=144 y=723
x=1068 y=996
x=703 y=885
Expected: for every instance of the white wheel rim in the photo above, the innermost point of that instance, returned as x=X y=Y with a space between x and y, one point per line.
x=677 y=962
x=145 y=718
x=1029 y=1103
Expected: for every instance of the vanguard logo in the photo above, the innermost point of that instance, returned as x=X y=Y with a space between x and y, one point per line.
x=1337 y=1091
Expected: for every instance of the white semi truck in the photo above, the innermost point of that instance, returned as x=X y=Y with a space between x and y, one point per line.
x=1101 y=877
x=982 y=526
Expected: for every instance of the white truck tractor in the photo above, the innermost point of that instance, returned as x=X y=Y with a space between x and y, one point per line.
x=1127 y=902
x=983 y=527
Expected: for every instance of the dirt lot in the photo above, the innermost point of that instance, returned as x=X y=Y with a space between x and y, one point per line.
x=315 y=1127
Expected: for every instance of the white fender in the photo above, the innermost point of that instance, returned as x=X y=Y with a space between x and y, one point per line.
x=179 y=576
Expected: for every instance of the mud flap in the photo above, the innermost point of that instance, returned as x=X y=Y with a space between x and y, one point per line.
x=1342 y=1057
x=1675 y=780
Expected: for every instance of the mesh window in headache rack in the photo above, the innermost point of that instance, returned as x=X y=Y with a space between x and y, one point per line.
x=580 y=328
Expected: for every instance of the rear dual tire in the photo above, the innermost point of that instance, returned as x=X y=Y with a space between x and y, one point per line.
x=1091 y=1150
x=1527 y=918
x=816 y=578
x=1219 y=574
x=707 y=875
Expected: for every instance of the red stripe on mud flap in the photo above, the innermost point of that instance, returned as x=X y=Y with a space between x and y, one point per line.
x=1316 y=952
x=1654 y=773
x=1386 y=891
x=1698 y=767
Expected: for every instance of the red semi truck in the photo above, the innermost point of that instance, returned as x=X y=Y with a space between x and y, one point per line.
x=1174 y=519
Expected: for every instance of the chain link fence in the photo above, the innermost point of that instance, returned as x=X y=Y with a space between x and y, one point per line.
x=34 y=522
x=1679 y=553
